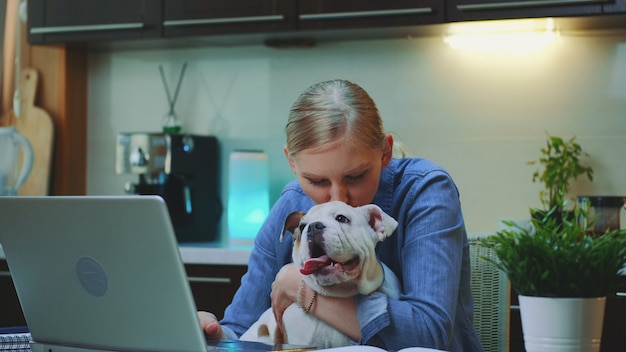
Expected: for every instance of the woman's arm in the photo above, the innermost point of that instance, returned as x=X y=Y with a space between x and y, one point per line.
x=427 y=253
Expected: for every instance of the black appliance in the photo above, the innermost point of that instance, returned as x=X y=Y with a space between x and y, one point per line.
x=181 y=168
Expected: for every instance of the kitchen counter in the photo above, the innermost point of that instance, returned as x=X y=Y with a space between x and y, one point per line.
x=206 y=253
x=211 y=253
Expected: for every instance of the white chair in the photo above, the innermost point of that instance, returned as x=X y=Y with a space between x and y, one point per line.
x=491 y=292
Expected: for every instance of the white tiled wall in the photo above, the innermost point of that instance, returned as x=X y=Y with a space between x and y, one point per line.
x=482 y=116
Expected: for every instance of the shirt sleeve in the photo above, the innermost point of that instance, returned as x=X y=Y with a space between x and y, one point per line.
x=428 y=255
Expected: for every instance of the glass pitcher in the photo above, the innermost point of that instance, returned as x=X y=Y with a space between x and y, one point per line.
x=12 y=175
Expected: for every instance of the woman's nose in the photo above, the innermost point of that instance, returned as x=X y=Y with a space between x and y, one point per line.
x=339 y=193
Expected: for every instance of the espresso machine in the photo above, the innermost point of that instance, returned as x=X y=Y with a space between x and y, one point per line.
x=605 y=211
x=181 y=168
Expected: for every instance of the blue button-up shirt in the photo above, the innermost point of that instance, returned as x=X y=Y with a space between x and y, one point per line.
x=429 y=252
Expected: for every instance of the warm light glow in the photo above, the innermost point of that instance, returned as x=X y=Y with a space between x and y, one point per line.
x=508 y=35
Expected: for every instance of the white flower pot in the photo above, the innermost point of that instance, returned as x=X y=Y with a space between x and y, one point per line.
x=562 y=324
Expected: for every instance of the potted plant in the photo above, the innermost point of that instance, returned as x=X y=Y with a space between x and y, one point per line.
x=562 y=163
x=563 y=273
x=561 y=269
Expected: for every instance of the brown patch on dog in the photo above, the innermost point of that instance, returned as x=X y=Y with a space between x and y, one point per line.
x=263 y=330
x=292 y=224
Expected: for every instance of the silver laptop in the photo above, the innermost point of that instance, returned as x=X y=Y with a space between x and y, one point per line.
x=102 y=273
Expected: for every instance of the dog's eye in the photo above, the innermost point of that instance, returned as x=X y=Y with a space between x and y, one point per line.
x=302 y=226
x=342 y=219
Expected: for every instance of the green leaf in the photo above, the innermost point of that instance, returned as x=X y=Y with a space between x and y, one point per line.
x=558 y=259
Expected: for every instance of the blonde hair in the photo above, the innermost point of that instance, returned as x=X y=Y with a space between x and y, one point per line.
x=330 y=110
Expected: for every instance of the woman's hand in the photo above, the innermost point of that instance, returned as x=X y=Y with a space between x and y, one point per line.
x=284 y=290
x=211 y=326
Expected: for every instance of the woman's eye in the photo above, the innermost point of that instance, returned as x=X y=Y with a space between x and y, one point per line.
x=353 y=179
x=317 y=182
x=342 y=219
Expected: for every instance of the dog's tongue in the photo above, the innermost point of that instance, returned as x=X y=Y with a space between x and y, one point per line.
x=313 y=264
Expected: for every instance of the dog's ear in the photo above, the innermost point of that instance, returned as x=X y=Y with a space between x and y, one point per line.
x=383 y=224
x=292 y=222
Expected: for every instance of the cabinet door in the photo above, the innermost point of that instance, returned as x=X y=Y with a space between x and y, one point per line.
x=614 y=329
x=201 y=17
x=617 y=6
x=463 y=10
x=10 y=308
x=516 y=337
x=340 y=14
x=65 y=21
x=213 y=286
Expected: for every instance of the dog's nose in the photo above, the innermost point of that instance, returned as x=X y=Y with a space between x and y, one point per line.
x=315 y=232
x=315 y=228
x=315 y=239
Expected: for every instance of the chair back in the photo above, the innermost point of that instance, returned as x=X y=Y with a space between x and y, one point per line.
x=491 y=292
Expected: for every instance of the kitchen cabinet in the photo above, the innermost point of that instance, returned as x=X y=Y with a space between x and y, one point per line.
x=343 y=14
x=467 y=10
x=9 y=303
x=516 y=337
x=213 y=287
x=200 y=17
x=67 y=21
x=614 y=7
x=613 y=330
x=94 y=21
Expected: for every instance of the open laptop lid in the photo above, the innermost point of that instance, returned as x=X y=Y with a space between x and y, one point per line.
x=99 y=272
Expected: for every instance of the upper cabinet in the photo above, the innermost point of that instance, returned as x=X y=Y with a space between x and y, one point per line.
x=71 y=21
x=464 y=10
x=617 y=6
x=201 y=17
x=66 y=21
x=343 y=14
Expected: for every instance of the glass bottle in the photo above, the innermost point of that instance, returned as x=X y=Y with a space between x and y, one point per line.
x=171 y=123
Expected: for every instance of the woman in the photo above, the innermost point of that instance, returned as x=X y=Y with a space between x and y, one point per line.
x=338 y=149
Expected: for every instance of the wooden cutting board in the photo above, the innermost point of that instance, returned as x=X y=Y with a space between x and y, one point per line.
x=35 y=124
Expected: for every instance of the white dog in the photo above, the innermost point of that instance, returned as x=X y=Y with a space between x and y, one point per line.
x=334 y=248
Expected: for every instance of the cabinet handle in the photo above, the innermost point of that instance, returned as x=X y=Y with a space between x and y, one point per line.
x=87 y=28
x=620 y=294
x=514 y=307
x=521 y=4
x=356 y=14
x=179 y=23
x=209 y=280
x=5 y=273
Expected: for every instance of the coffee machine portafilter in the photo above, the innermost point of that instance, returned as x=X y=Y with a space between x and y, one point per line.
x=181 y=168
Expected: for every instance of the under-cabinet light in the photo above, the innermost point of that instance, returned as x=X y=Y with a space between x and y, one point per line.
x=522 y=35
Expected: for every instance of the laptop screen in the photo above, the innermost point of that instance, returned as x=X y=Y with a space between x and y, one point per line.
x=99 y=272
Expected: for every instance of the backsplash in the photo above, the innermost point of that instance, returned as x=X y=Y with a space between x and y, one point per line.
x=480 y=115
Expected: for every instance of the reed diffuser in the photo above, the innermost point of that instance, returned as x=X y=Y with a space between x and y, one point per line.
x=171 y=123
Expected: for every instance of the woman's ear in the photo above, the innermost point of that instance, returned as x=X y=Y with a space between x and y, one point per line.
x=387 y=150
x=292 y=164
